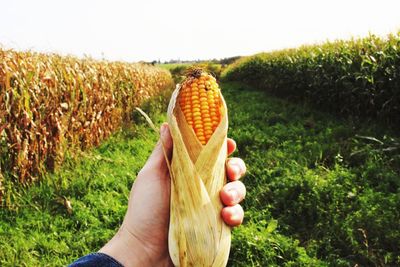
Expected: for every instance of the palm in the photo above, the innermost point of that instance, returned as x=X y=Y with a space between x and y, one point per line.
x=148 y=211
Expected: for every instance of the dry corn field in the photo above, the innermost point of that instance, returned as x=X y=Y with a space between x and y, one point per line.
x=50 y=104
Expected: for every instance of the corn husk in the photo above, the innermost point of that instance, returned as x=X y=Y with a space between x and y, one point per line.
x=197 y=234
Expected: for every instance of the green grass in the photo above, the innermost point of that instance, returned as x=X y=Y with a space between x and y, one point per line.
x=320 y=193
x=168 y=66
x=38 y=231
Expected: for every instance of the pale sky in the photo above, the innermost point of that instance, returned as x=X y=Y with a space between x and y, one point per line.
x=177 y=29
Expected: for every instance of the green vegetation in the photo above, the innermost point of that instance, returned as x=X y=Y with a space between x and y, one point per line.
x=360 y=77
x=322 y=191
x=318 y=187
x=169 y=66
x=179 y=71
x=37 y=229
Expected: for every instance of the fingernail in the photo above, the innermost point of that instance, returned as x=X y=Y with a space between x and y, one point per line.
x=234 y=195
x=241 y=166
x=236 y=167
x=163 y=129
x=235 y=215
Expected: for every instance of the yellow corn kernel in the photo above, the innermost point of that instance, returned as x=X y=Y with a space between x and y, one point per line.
x=199 y=102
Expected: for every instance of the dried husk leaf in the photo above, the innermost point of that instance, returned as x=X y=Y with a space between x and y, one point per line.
x=197 y=235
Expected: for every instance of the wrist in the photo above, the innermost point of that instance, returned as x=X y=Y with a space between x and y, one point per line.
x=127 y=249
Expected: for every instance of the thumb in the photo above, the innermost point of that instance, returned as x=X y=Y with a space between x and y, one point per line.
x=157 y=160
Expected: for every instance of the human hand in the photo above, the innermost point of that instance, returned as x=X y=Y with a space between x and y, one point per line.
x=143 y=237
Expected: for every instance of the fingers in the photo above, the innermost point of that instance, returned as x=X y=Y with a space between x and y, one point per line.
x=235 y=168
x=233 y=215
x=233 y=193
x=231 y=145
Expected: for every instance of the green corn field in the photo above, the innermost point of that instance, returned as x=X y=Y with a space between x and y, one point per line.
x=359 y=77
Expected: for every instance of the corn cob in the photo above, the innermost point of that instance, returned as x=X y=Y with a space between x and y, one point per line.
x=200 y=103
x=197 y=235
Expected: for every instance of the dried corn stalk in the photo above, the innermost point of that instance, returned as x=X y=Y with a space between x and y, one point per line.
x=51 y=104
x=197 y=235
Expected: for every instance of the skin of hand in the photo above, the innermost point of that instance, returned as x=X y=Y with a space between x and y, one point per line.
x=142 y=239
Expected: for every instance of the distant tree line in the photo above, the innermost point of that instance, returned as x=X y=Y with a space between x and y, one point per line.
x=223 y=61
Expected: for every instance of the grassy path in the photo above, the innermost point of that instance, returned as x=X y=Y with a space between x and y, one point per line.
x=318 y=195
